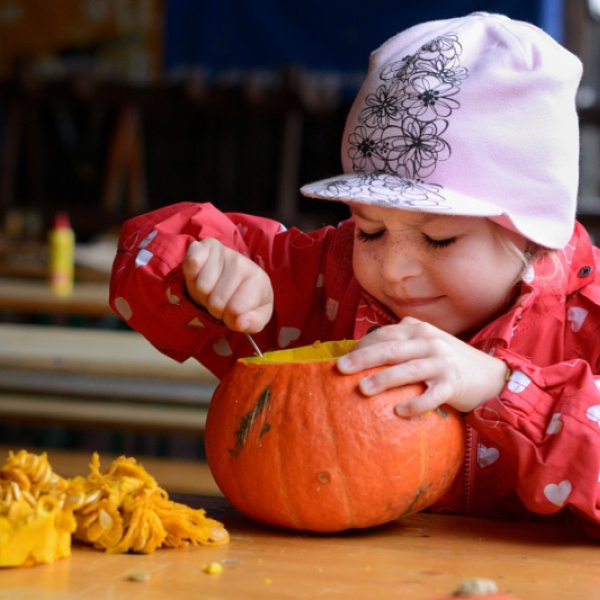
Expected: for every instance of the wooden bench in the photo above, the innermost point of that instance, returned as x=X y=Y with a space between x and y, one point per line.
x=102 y=378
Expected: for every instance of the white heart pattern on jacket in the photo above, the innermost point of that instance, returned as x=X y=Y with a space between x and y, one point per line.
x=148 y=238
x=287 y=335
x=143 y=257
x=518 y=382
x=222 y=347
x=486 y=456
x=196 y=322
x=331 y=308
x=593 y=413
x=558 y=493
x=576 y=315
x=555 y=424
x=123 y=308
x=172 y=298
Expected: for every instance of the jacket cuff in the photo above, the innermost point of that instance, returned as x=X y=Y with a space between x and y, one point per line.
x=519 y=406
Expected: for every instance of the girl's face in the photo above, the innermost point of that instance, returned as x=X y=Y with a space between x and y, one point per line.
x=452 y=272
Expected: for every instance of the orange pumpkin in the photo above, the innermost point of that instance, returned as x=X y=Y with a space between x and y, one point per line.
x=291 y=442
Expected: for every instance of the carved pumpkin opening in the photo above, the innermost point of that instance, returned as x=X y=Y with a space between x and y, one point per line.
x=319 y=351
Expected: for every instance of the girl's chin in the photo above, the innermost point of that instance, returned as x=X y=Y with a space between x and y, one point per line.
x=449 y=325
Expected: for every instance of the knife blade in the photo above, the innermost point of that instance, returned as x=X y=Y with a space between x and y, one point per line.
x=254 y=344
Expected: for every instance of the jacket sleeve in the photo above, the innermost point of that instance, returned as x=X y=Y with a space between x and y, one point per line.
x=148 y=288
x=546 y=423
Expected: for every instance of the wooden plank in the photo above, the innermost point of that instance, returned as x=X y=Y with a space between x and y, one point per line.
x=166 y=391
x=99 y=378
x=33 y=296
x=81 y=411
x=91 y=351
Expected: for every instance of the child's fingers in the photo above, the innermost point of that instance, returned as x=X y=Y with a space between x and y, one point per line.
x=252 y=321
x=413 y=371
x=391 y=352
x=201 y=269
x=439 y=389
x=433 y=397
x=194 y=261
x=251 y=306
x=229 y=285
x=250 y=292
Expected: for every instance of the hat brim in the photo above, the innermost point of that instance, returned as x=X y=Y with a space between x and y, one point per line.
x=391 y=191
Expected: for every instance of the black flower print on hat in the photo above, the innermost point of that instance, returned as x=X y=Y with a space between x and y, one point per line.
x=402 y=125
x=384 y=190
x=401 y=129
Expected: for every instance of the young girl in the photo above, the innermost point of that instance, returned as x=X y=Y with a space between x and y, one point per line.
x=462 y=265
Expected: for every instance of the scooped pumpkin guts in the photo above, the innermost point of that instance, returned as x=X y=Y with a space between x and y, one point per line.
x=35 y=527
x=120 y=509
x=314 y=454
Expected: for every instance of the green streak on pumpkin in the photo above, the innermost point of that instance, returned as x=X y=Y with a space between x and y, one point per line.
x=264 y=429
x=412 y=505
x=248 y=420
x=440 y=411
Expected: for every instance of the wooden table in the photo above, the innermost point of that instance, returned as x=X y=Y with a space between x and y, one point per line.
x=418 y=558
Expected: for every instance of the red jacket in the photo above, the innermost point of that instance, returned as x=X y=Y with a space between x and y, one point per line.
x=532 y=452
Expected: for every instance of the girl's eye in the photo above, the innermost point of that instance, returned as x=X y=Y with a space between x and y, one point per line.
x=363 y=236
x=439 y=243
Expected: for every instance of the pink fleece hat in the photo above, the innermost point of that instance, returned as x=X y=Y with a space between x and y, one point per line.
x=468 y=116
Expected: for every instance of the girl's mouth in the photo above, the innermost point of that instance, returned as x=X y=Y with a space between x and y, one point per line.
x=416 y=302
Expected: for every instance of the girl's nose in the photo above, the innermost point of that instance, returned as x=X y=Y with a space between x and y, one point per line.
x=398 y=264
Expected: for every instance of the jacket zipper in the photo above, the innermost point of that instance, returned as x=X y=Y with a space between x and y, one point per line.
x=470 y=458
x=471 y=444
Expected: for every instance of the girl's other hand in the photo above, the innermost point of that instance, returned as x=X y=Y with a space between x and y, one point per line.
x=228 y=285
x=414 y=351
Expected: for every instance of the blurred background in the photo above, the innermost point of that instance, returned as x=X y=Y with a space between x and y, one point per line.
x=111 y=108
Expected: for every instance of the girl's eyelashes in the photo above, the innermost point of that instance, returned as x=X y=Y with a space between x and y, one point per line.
x=439 y=243
x=363 y=236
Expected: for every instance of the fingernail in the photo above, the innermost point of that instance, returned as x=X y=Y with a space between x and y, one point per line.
x=401 y=410
x=344 y=364
x=367 y=386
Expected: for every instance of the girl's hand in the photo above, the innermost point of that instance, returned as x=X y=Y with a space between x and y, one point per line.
x=230 y=286
x=454 y=372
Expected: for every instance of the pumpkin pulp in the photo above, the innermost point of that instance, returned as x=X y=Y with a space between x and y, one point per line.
x=319 y=351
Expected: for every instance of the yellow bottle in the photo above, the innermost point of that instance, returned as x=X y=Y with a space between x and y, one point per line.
x=61 y=260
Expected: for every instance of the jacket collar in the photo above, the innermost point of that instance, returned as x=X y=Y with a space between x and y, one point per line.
x=578 y=260
x=542 y=287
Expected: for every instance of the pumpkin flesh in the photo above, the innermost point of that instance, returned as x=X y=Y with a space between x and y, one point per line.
x=296 y=445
